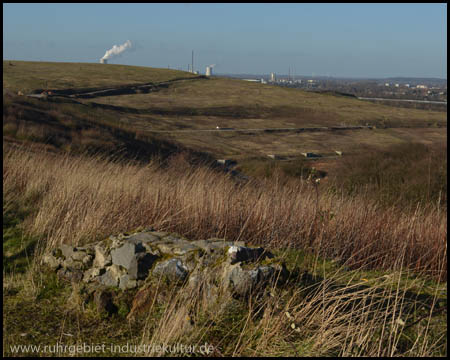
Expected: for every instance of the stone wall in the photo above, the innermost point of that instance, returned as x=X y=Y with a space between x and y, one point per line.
x=131 y=261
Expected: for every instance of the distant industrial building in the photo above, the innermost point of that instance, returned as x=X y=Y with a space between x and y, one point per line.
x=272 y=77
x=103 y=61
x=208 y=71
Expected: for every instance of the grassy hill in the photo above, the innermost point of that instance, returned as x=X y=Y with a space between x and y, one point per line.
x=194 y=103
x=29 y=75
x=367 y=251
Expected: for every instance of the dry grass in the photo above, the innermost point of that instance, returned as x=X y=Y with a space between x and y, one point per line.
x=30 y=75
x=336 y=313
x=323 y=319
x=273 y=106
x=80 y=199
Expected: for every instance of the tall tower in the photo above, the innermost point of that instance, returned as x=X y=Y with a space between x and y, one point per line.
x=192 y=66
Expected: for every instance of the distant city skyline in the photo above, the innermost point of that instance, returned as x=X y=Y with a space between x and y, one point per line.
x=337 y=40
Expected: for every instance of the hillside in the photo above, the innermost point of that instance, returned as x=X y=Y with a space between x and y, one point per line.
x=175 y=105
x=29 y=75
x=112 y=152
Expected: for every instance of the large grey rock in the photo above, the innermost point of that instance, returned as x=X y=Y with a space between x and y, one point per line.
x=243 y=282
x=134 y=258
x=172 y=269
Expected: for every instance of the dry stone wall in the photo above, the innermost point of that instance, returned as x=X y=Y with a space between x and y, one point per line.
x=130 y=261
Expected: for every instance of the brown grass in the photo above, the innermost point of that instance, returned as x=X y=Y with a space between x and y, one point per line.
x=81 y=199
x=30 y=75
x=356 y=319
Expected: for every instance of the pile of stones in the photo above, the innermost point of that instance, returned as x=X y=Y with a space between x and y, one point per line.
x=129 y=261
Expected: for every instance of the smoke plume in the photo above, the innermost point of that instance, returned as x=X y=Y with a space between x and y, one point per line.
x=116 y=50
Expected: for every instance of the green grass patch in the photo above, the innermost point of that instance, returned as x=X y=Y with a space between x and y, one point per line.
x=18 y=248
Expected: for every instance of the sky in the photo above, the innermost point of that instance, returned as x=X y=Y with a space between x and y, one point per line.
x=339 y=40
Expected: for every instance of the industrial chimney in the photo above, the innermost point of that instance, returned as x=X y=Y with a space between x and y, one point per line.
x=103 y=61
x=208 y=71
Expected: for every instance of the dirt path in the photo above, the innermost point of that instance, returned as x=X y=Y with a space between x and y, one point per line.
x=108 y=91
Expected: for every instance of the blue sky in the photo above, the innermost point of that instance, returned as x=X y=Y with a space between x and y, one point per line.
x=341 y=40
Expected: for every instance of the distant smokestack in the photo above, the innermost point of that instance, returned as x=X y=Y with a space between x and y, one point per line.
x=209 y=70
x=115 y=51
x=192 y=66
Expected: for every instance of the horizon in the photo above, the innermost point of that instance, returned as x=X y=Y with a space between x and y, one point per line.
x=261 y=74
x=361 y=41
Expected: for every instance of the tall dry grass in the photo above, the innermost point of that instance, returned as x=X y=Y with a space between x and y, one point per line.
x=357 y=319
x=81 y=199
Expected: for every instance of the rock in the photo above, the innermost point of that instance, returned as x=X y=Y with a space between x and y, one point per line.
x=144 y=237
x=92 y=274
x=242 y=253
x=203 y=284
x=171 y=239
x=243 y=282
x=125 y=282
x=87 y=261
x=134 y=259
x=172 y=269
x=108 y=279
x=112 y=275
x=192 y=259
x=178 y=248
x=73 y=264
x=53 y=262
x=160 y=234
x=74 y=253
x=66 y=251
x=102 y=256
x=72 y=275
x=210 y=267
x=215 y=244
